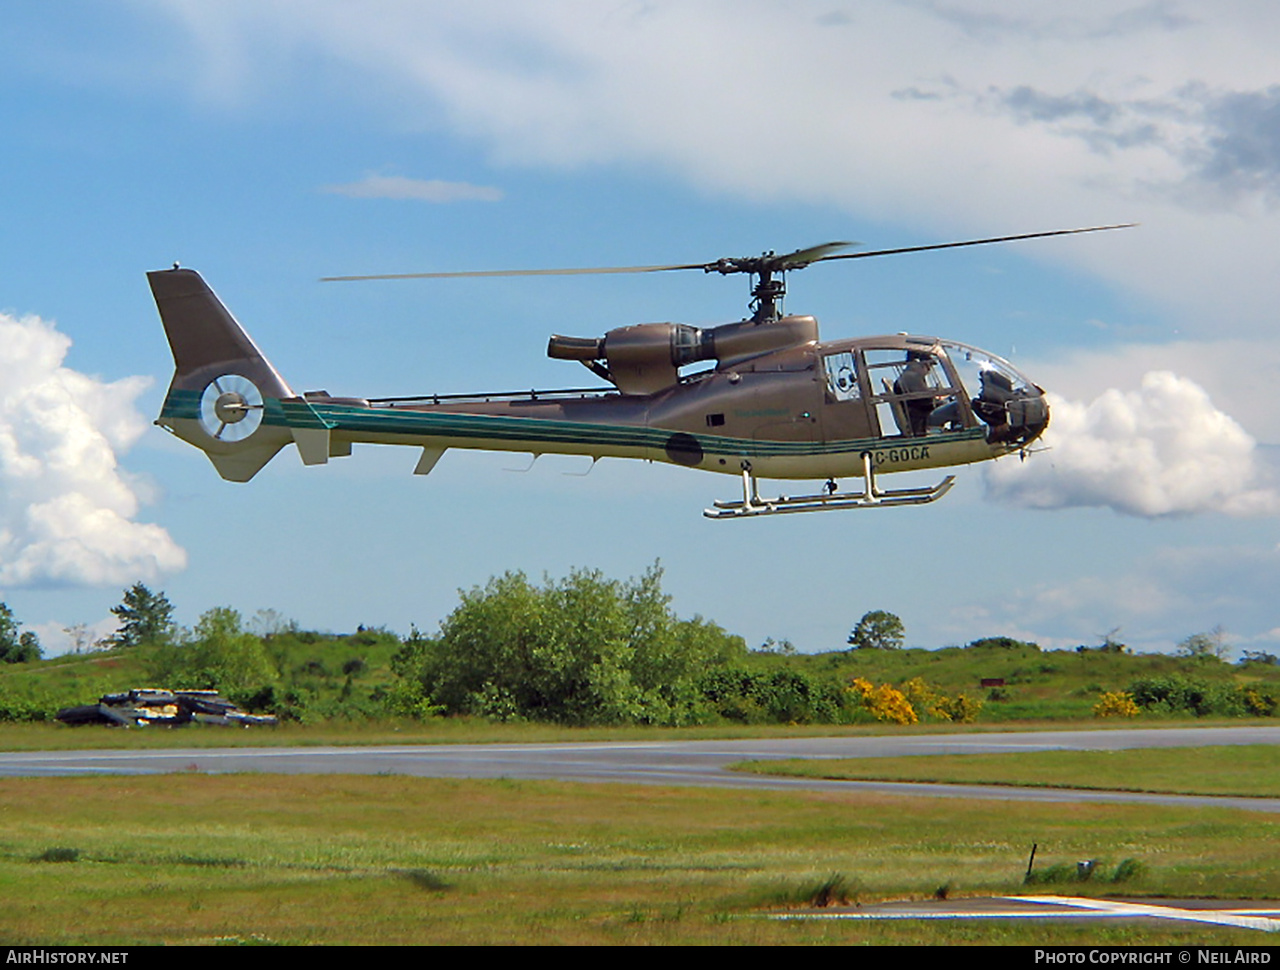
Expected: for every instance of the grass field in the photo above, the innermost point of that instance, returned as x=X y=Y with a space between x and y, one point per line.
x=1249 y=770
x=395 y=860
x=193 y=858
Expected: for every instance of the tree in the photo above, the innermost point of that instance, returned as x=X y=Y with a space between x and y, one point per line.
x=1212 y=645
x=1259 y=657
x=15 y=647
x=145 y=617
x=581 y=650
x=8 y=632
x=78 y=633
x=877 y=630
x=222 y=656
x=28 y=647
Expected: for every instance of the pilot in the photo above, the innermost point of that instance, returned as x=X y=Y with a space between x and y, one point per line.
x=914 y=379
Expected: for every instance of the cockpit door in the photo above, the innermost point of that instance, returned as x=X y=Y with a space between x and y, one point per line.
x=845 y=413
x=915 y=392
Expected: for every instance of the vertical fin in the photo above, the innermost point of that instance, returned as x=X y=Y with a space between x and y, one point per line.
x=207 y=343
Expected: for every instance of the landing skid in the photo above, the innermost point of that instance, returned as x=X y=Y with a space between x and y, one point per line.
x=870 y=497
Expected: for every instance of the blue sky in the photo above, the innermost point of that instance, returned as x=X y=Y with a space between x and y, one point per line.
x=267 y=144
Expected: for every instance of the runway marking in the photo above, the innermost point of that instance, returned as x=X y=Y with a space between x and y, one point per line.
x=1111 y=907
x=1077 y=907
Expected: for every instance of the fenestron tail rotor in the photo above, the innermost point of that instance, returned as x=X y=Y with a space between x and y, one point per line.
x=230 y=408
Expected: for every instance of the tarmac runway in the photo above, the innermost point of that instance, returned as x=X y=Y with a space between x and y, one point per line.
x=660 y=762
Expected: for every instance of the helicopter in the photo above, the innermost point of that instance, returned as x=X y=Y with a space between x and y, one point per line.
x=770 y=400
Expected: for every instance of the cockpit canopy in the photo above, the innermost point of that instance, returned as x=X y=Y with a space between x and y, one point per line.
x=1006 y=400
x=918 y=386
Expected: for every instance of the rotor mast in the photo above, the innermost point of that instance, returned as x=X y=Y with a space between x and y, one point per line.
x=766 y=296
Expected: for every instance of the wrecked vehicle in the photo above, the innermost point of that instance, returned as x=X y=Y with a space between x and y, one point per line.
x=146 y=706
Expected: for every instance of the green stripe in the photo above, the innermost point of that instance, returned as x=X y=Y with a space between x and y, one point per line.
x=300 y=414
x=182 y=404
x=481 y=427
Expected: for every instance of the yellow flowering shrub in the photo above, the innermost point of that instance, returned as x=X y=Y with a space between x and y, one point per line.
x=1116 y=703
x=886 y=703
x=962 y=709
x=920 y=694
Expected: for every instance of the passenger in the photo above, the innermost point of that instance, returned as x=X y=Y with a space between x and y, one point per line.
x=914 y=380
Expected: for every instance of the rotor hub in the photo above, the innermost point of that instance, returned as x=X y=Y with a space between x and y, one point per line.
x=231 y=407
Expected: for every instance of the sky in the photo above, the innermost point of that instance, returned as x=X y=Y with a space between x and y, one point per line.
x=270 y=143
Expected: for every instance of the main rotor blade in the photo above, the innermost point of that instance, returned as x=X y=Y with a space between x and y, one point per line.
x=750 y=264
x=803 y=257
x=586 y=271
x=800 y=258
x=973 y=242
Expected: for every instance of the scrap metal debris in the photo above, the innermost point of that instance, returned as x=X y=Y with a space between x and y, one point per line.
x=141 y=707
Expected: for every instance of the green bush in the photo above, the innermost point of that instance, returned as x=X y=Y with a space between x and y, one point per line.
x=220 y=656
x=26 y=705
x=1176 y=694
x=1003 y=643
x=771 y=696
x=582 y=650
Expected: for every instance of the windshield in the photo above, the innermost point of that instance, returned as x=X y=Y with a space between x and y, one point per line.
x=1002 y=397
x=981 y=369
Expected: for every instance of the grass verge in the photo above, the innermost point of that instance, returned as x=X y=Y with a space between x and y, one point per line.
x=399 y=860
x=1242 y=770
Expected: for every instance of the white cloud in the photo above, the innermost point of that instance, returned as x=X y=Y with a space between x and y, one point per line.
x=66 y=507
x=1240 y=375
x=961 y=118
x=422 y=190
x=1162 y=450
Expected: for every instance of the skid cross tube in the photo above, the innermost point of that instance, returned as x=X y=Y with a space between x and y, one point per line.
x=871 y=497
